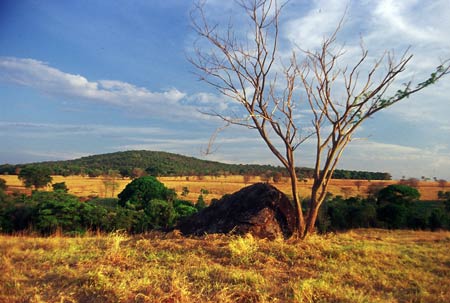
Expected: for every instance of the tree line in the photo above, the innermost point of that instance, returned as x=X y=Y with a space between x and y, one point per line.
x=135 y=164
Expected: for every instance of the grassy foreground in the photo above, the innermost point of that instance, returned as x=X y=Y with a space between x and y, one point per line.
x=358 y=266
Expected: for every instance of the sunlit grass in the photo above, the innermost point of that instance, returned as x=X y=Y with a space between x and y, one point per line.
x=221 y=185
x=357 y=266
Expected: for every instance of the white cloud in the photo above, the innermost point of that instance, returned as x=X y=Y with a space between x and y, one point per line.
x=309 y=31
x=28 y=129
x=44 y=78
x=397 y=159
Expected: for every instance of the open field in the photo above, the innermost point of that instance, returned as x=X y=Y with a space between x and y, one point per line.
x=357 y=266
x=219 y=186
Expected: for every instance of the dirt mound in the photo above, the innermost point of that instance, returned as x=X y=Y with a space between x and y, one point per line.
x=259 y=209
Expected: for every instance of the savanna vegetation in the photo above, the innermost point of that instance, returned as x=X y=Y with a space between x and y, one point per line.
x=146 y=204
x=141 y=162
x=363 y=265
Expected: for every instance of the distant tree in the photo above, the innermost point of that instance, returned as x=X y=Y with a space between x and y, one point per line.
x=137 y=173
x=444 y=195
x=247 y=178
x=413 y=182
x=185 y=191
x=398 y=194
x=358 y=184
x=35 y=176
x=442 y=183
x=204 y=192
x=3 y=185
x=277 y=176
x=60 y=186
x=200 y=203
x=141 y=191
x=394 y=204
x=110 y=181
x=94 y=173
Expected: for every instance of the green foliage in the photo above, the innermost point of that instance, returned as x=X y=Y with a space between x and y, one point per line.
x=444 y=195
x=200 y=203
x=37 y=176
x=60 y=186
x=184 y=208
x=185 y=191
x=57 y=210
x=135 y=164
x=139 y=192
x=397 y=207
x=160 y=214
x=338 y=214
x=398 y=194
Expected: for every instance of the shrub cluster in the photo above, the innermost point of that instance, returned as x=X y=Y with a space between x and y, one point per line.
x=145 y=204
x=394 y=207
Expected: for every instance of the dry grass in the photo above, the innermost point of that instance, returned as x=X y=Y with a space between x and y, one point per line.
x=357 y=266
x=219 y=186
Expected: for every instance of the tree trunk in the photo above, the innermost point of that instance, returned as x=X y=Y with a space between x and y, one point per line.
x=313 y=212
x=300 y=221
x=312 y=217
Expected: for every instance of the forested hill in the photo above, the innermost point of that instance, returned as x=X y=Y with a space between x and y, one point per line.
x=136 y=163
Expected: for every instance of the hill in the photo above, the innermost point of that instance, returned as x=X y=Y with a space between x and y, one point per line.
x=134 y=163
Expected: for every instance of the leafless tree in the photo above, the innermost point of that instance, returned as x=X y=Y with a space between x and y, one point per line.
x=243 y=66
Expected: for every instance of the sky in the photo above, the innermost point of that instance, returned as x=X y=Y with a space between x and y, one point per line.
x=80 y=78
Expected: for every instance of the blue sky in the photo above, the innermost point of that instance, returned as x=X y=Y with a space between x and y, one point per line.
x=86 y=77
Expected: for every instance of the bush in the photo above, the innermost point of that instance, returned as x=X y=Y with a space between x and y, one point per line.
x=339 y=214
x=141 y=191
x=398 y=194
x=393 y=215
x=160 y=214
x=37 y=176
x=200 y=203
x=184 y=209
x=58 y=209
x=60 y=186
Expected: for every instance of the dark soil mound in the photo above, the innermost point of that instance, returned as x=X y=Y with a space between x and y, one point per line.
x=259 y=209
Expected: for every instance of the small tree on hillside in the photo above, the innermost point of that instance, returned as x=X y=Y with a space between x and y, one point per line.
x=139 y=192
x=3 y=185
x=241 y=67
x=35 y=176
x=61 y=186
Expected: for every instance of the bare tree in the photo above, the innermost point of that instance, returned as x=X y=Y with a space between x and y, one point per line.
x=244 y=68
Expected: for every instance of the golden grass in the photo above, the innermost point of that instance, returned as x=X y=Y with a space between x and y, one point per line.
x=219 y=186
x=356 y=266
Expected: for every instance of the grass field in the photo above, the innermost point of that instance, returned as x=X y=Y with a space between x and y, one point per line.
x=356 y=266
x=219 y=186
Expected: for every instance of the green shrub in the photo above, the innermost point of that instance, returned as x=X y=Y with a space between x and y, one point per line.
x=200 y=203
x=398 y=194
x=139 y=192
x=160 y=214
x=60 y=186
